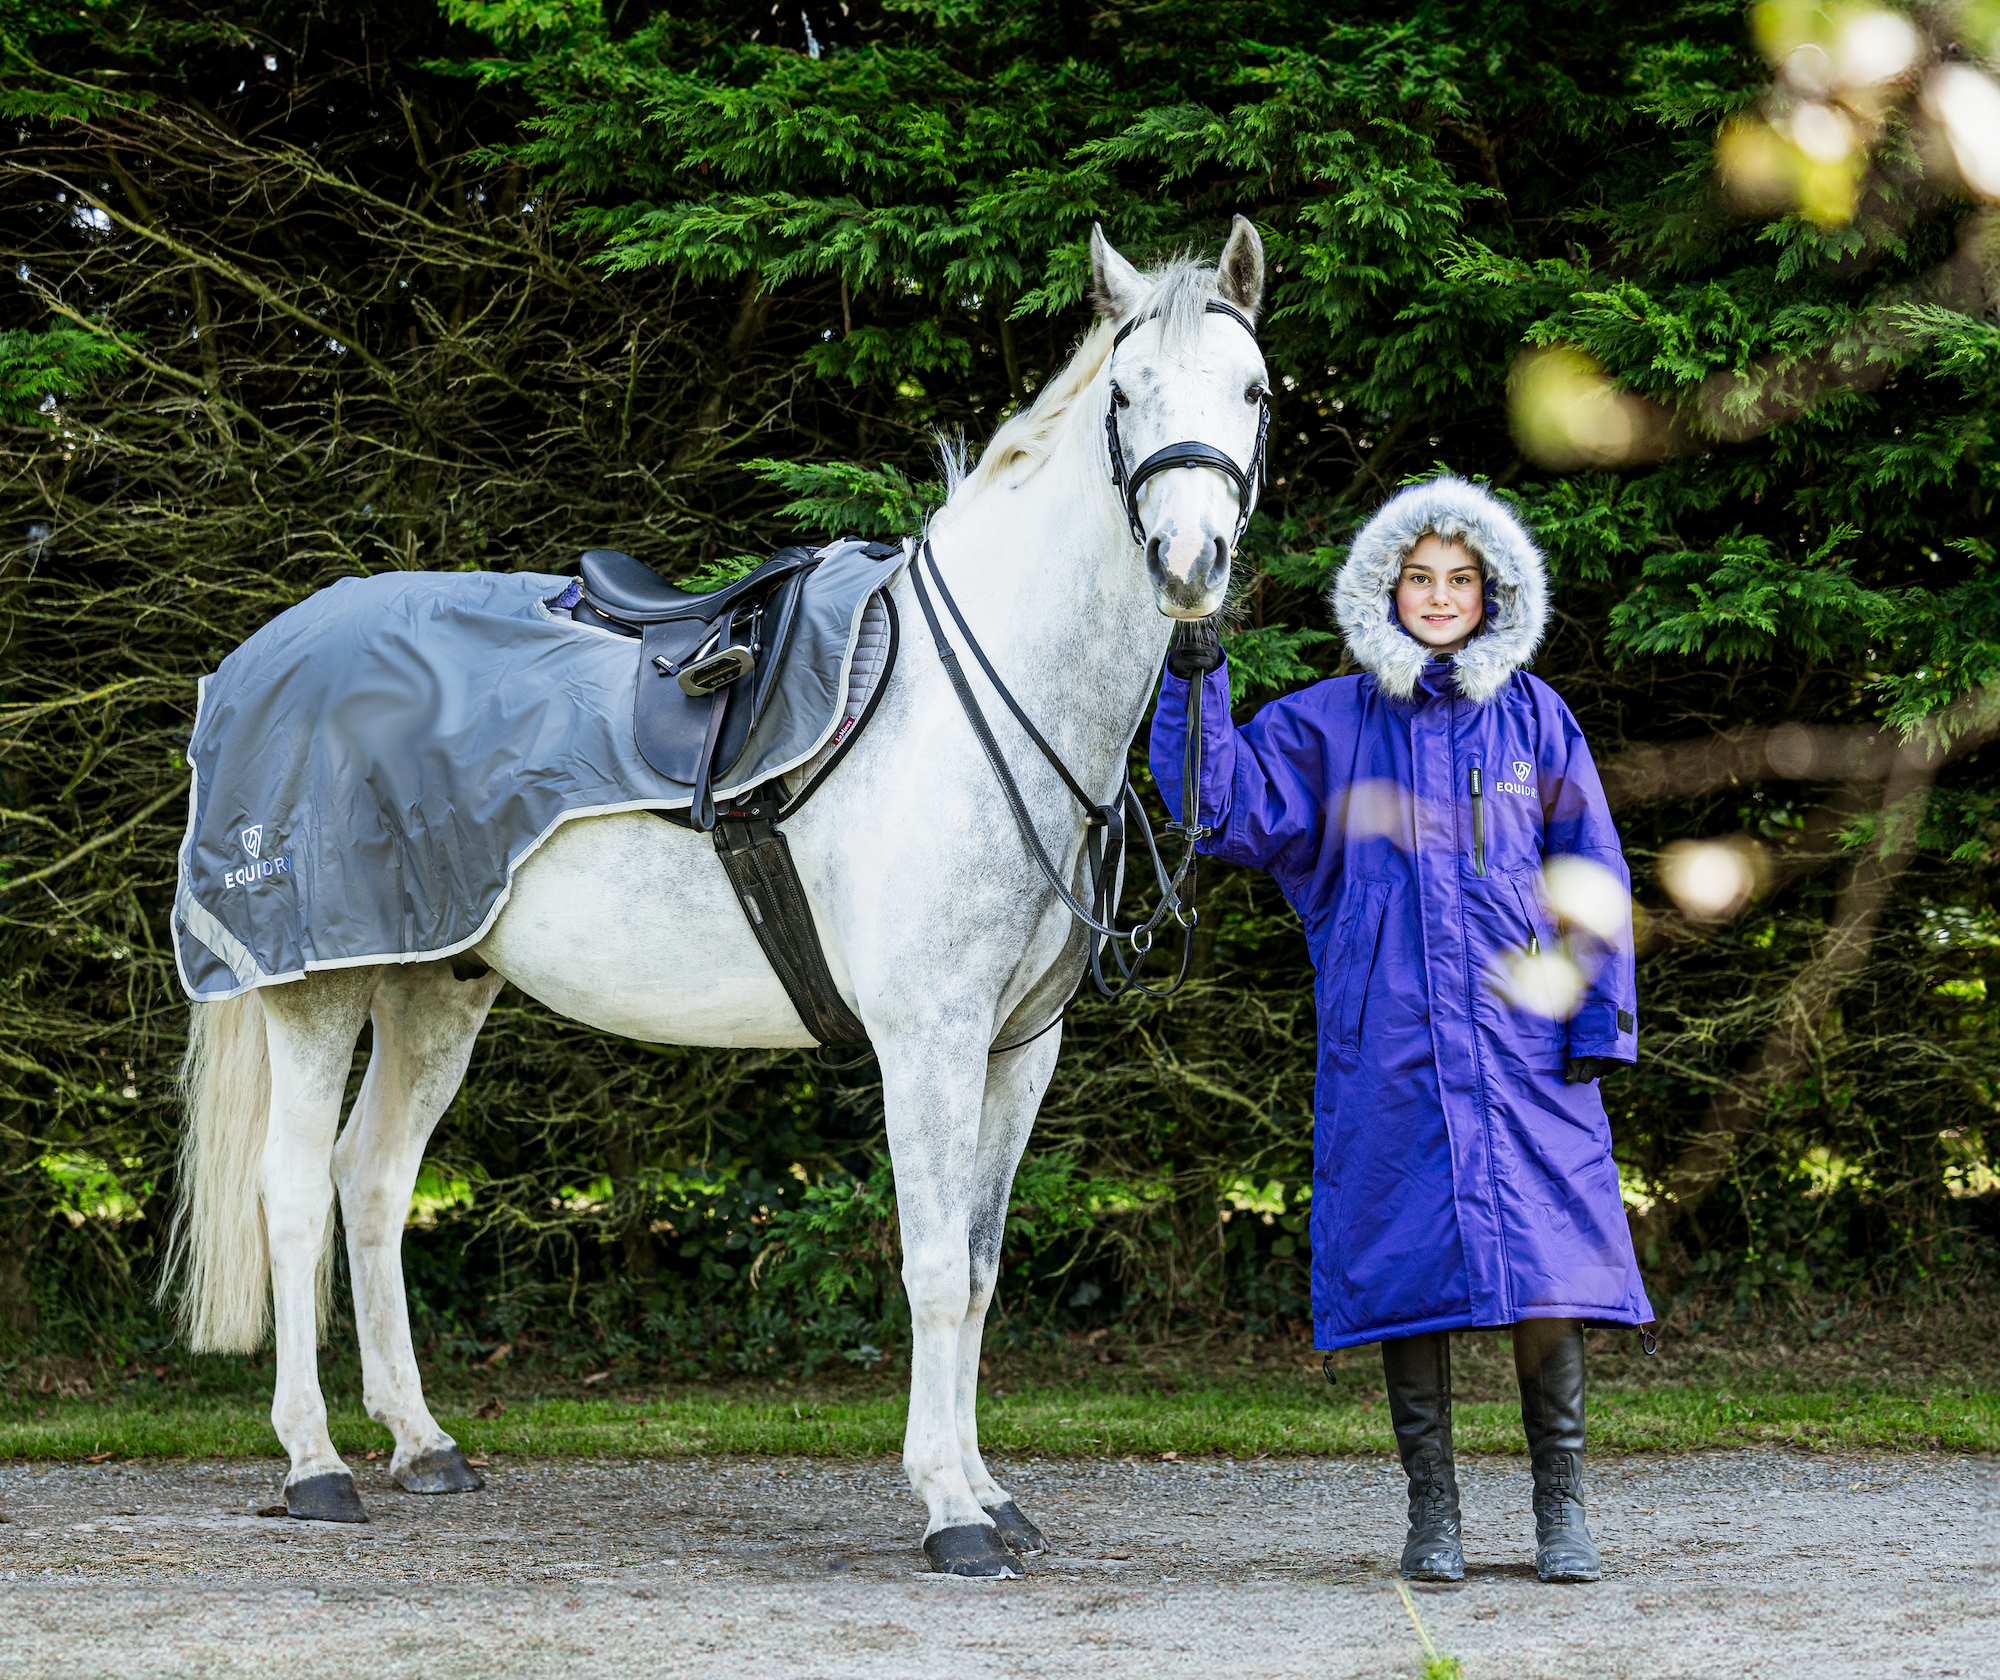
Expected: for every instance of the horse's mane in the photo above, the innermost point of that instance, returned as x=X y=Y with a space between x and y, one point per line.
x=1178 y=293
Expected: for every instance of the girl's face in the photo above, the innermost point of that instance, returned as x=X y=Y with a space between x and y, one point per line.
x=1441 y=597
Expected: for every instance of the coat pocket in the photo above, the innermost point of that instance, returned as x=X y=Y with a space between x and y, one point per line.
x=1357 y=966
x=1535 y=994
x=1524 y=897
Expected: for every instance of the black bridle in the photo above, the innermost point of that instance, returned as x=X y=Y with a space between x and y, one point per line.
x=1190 y=454
x=1106 y=825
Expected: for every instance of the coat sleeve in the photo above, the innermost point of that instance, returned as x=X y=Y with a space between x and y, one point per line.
x=1577 y=823
x=1258 y=790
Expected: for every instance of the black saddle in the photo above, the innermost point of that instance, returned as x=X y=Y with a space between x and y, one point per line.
x=709 y=663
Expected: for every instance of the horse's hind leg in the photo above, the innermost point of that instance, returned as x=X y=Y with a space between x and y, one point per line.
x=425 y=1024
x=310 y=1027
x=1014 y=1086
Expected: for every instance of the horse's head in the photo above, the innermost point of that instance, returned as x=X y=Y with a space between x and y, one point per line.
x=1187 y=408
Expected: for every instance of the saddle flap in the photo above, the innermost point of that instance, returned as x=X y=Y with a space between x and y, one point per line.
x=672 y=725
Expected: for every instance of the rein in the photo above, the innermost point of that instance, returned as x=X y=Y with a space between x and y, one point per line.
x=1105 y=825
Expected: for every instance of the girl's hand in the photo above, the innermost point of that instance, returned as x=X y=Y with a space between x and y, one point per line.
x=1586 y=1070
x=1196 y=649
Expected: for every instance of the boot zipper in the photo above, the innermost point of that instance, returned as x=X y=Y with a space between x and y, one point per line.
x=1478 y=826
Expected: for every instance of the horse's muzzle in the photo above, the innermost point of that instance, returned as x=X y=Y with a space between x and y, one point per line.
x=1188 y=585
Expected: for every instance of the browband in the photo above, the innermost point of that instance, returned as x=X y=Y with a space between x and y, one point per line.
x=1214 y=306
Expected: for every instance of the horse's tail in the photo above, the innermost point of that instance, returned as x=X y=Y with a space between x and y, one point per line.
x=217 y=1250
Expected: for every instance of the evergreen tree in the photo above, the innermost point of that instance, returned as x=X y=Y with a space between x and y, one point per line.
x=305 y=297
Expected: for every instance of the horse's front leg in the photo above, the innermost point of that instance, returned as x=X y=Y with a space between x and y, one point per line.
x=425 y=1025
x=1014 y=1086
x=933 y=1082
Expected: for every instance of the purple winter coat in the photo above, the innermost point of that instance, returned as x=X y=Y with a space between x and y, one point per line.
x=1457 y=1181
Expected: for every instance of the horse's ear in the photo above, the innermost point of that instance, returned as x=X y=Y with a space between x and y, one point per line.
x=1115 y=285
x=1239 y=277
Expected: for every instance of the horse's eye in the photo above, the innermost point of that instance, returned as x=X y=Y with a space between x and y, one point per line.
x=1255 y=392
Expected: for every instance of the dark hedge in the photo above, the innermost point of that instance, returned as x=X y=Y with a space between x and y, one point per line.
x=301 y=295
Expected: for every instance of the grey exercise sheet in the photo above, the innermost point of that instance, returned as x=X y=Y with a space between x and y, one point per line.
x=371 y=767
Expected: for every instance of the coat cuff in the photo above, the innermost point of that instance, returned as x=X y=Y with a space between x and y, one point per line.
x=1605 y=1031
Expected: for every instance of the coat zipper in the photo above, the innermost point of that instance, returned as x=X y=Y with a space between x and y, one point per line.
x=1484 y=1110
x=1478 y=826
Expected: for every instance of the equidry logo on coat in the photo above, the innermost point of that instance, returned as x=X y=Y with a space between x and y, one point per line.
x=259 y=868
x=1521 y=783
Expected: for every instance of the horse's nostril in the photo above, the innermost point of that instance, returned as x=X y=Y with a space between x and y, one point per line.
x=1153 y=558
x=1215 y=565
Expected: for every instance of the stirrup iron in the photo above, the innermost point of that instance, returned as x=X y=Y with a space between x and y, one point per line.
x=718 y=670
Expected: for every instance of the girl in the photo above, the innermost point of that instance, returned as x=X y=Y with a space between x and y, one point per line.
x=1462 y=1174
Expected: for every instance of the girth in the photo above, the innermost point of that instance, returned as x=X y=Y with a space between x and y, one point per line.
x=758 y=859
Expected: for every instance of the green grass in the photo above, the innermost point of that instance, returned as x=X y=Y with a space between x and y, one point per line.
x=1068 y=1421
x=1438 y=1665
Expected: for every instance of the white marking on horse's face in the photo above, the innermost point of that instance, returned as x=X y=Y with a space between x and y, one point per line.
x=1179 y=550
x=1206 y=394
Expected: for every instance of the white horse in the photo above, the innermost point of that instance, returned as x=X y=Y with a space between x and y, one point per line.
x=939 y=931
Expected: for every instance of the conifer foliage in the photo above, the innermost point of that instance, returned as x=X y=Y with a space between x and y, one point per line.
x=1710 y=294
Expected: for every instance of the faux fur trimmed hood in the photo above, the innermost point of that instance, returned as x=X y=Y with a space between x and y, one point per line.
x=1363 y=593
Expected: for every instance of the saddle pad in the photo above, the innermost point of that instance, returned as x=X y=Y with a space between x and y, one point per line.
x=867 y=668
x=372 y=767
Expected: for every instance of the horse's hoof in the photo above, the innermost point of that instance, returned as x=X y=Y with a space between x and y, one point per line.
x=325 y=1498
x=970 y=1549
x=1017 y=1534
x=441 y=1470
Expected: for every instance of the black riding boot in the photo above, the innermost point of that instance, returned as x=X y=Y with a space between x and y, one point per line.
x=1418 y=1369
x=1548 y=1360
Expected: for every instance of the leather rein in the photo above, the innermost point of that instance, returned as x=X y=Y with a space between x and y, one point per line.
x=1107 y=825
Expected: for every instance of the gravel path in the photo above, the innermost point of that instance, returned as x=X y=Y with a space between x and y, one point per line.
x=1737 y=1565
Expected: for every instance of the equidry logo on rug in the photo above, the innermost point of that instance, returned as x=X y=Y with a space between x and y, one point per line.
x=259 y=868
x=1521 y=783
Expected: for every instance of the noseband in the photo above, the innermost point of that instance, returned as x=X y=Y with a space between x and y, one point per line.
x=1189 y=454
